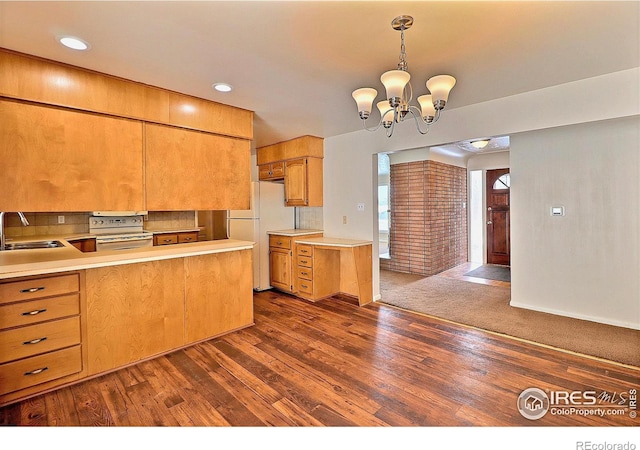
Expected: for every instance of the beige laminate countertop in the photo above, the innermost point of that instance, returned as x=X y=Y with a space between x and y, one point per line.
x=18 y=263
x=293 y=233
x=333 y=242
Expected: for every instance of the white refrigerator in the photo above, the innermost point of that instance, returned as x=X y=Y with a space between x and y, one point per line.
x=267 y=213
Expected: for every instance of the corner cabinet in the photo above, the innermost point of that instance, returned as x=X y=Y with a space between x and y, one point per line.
x=299 y=164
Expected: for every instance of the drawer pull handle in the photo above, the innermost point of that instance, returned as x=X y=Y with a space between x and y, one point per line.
x=304 y=286
x=304 y=251
x=37 y=371
x=187 y=239
x=32 y=290
x=167 y=240
x=35 y=341
x=34 y=312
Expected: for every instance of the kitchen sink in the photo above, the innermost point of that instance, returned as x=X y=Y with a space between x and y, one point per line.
x=32 y=245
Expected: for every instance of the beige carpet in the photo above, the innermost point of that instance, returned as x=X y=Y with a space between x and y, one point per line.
x=487 y=307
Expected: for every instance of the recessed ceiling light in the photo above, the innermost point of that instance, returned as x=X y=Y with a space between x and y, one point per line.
x=222 y=87
x=74 y=43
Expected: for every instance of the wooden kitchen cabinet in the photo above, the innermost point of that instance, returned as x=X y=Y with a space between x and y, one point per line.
x=193 y=170
x=280 y=263
x=55 y=159
x=134 y=311
x=40 y=334
x=218 y=294
x=142 y=310
x=283 y=262
x=302 y=169
x=271 y=171
x=181 y=237
x=303 y=182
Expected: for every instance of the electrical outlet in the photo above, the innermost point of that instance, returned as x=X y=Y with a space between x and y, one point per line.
x=360 y=206
x=344 y=220
x=60 y=219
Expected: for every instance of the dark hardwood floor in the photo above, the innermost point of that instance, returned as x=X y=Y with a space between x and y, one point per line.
x=333 y=364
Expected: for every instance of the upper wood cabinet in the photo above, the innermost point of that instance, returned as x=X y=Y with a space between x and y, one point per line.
x=294 y=148
x=303 y=182
x=39 y=80
x=196 y=171
x=303 y=173
x=55 y=159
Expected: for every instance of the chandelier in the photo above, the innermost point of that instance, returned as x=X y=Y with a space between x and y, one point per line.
x=399 y=93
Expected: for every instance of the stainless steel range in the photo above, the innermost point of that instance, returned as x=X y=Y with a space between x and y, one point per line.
x=119 y=231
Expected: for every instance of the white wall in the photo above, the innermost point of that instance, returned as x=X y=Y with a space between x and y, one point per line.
x=587 y=263
x=349 y=162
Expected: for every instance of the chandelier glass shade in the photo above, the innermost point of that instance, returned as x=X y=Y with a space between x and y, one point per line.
x=396 y=107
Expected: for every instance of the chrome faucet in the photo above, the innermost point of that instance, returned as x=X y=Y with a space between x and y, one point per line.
x=23 y=219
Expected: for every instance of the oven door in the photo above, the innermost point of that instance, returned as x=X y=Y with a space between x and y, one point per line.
x=123 y=242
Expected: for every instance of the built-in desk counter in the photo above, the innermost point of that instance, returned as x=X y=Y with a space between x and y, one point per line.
x=327 y=266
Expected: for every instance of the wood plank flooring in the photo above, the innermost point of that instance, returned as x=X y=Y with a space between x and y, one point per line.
x=333 y=363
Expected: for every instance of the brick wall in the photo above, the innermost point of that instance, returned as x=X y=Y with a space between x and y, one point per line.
x=428 y=219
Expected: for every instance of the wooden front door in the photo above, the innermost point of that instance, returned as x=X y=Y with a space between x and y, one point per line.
x=498 y=222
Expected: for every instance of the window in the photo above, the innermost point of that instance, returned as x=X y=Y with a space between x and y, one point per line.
x=504 y=182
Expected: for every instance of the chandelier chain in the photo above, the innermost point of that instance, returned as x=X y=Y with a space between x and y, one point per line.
x=403 y=54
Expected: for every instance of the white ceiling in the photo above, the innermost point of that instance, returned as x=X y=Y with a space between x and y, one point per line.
x=296 y=63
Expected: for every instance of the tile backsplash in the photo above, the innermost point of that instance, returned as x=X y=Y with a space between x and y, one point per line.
x=309 y=218
x=46 y=224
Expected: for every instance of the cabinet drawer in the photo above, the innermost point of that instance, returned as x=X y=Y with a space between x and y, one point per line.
x=39 y=369
x=305 y=286
x=280 y=241
x=305 y=250
x=304 y=261
x=165 y=239
x=40 y=310
x=184 y=238
x=16 y=291
x=36 y=339
x=304 y=273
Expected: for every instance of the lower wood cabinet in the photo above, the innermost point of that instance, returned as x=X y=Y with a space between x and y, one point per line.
x=218 y=294
x=134 y=311
x=181 y=237
x=41 y=335
x=284 y=266
x=85 y=245
x=137 y=311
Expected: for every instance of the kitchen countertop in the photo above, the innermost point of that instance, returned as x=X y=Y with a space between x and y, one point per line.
x=18 y=263
x=298 y=232
x=334 y=242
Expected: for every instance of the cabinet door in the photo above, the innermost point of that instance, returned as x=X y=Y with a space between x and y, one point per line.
x=280 y=269
x=61 y=160
x=134 y=311
x=191 y=170
x=219 y=294
x=295 y=182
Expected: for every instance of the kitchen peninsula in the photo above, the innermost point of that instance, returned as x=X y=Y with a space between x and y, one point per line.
x=86 y=314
